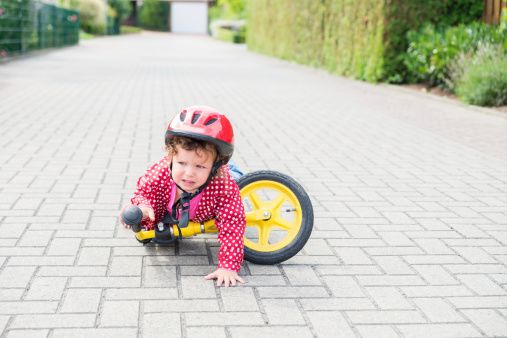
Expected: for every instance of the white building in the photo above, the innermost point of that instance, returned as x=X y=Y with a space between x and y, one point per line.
x=189 y=16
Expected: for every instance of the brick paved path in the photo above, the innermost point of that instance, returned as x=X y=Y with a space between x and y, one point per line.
x=410 y=198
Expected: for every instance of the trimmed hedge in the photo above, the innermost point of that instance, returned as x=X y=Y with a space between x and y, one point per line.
x=364 y=39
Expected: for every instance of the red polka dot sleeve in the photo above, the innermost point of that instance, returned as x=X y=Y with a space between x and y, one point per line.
x=230 y=221
x=153 y=190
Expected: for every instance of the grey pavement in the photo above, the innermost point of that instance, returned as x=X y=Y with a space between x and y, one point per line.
x=409 y=192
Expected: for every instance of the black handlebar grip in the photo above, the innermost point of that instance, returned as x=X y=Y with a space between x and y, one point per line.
x=133 y=216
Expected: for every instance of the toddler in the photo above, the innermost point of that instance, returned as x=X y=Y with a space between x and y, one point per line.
x=193 y=182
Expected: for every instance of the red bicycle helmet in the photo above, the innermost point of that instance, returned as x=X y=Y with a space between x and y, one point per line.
x=206 y=124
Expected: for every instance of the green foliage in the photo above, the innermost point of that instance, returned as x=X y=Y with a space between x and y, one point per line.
x=365 y=39
x=130 y=29
x=481 y=78
x=455 y=12
x=121 y=9
x=431 y=50
x=93 y=15
x=228 y=9
x=154 y=15
x=230 y=35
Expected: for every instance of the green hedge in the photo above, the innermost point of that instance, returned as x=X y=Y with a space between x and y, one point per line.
x=154 y=15
x=364 y=39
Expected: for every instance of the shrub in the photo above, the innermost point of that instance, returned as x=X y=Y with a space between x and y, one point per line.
x=481 y=78
x=364 y=39
x=154 y=15
x=92 y=15
x=431 y=50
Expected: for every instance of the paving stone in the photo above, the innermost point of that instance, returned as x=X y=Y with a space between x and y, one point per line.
x=292 y=292
x=330 y=324
x=301 y=275
x=439 y=330
x=27 y=333
x=378 y=331
x=239 y=299
x=224 y=319
x=11 y=294
x=81 y=300
x=13 y=276
x=119 y=313
x=41 y=261
x=343 y=286
x=64 y=246
x=435 y=274
x=478 y=302
x=181 y=305
x=437 y=310
x=53 y=321
x=199 y=332
x=273 y=331
x=385 y=317
x=337 y=304
x=488 y=320
x=349 y=270
x=353 y=256
x=104 y=282
x=189 y=285
x=141 y=293
x=97 y=333
x=388 y=298
x=482 y=285
x=393 y=265
x=94 y=256
x=159 y=276
x=390 y=280
x=46 y=288
x=436 y=291
x=282 y=312
x=125 y=266
x=72 y=271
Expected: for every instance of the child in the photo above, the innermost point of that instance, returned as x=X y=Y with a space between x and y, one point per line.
x=193 y=182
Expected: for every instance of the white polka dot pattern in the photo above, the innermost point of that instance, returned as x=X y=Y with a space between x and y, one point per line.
x=220 y=200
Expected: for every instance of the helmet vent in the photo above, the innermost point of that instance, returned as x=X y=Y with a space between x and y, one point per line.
x=195 y=117
x=210 y=121
x=182 y=115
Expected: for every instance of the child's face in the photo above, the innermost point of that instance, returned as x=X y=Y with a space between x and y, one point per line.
x=191 y=168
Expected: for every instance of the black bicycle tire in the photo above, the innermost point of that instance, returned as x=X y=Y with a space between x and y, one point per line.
x=283 y=254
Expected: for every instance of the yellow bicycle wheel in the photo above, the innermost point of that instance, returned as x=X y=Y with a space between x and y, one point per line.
x=279 y=216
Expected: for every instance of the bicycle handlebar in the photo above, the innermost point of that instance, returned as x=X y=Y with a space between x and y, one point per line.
x=133 y=216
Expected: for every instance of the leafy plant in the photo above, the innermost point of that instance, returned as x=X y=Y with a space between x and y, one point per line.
x=92 y=15
x=154 y=15
x=431 y=50
x=480 y=78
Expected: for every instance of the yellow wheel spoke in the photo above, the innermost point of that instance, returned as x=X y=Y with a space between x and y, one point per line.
x=276 y=203
x=264 y=234
x=283 y=223
x=256 y=201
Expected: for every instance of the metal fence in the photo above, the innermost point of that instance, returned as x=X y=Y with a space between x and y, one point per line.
x=30 y=25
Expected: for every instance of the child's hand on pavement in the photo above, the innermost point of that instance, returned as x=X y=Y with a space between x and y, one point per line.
x=147 y=213
x=225 y=276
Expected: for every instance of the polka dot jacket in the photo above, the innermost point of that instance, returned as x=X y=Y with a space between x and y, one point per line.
x=220 y=200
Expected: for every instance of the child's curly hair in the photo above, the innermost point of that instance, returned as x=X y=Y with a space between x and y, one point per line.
x=199 y=146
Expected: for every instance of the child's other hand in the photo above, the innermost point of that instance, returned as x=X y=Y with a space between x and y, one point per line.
x=225 y=276
x=147 y=213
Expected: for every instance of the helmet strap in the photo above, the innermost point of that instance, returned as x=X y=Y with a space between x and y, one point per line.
x=187 y=196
